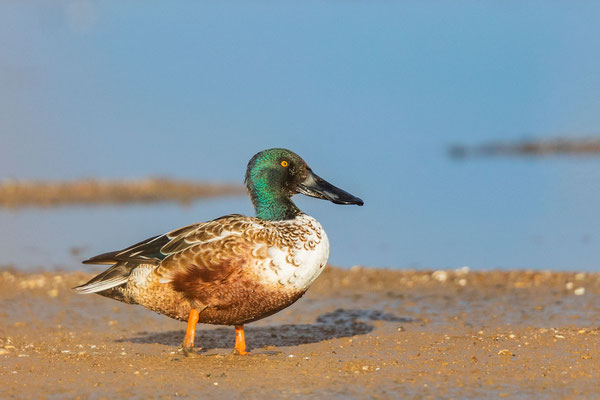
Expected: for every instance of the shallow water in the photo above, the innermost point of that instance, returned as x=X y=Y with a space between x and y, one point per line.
x=62 y=237
x=501 y=213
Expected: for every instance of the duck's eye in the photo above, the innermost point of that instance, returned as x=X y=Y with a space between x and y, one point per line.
x=284 y=163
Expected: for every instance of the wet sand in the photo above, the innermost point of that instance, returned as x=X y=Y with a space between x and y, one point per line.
x=359 y=333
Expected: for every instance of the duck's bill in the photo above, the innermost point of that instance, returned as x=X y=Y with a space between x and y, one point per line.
x=315 y=186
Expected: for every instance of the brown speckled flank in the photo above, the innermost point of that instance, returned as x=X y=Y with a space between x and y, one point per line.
x=235 y=301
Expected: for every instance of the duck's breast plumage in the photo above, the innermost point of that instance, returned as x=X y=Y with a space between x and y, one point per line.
x=297 y=256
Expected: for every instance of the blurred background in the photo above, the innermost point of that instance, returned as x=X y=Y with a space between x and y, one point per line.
x=371 y=94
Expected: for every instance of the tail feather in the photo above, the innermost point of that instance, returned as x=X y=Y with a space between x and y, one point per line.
x=116 y=275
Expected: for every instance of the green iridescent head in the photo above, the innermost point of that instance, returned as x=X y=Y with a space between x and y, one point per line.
x=273 y=176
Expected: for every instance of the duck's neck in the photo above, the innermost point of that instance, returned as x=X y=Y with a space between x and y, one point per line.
x=273 y=206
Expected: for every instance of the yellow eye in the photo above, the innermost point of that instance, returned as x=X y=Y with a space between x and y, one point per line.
x=284 y=163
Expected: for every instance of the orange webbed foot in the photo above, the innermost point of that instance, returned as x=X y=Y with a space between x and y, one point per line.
x=240 y=341
x=188 y=341
x=185 y=350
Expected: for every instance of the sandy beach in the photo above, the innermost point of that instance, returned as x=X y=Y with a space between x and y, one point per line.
x=358 y=333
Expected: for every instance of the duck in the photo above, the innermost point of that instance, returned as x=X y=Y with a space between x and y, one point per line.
x=235 y=269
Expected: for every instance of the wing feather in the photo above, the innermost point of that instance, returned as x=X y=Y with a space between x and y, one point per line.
x=114 y=276
x=147 y=251
x=190 y=258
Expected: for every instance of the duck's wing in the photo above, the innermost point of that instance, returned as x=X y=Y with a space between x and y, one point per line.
x=200 y=259
x=123 y=263
x=146 y=251
x=205 y=250
x=155 y=249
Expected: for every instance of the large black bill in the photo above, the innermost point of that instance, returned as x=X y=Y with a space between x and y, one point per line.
x=315 y=186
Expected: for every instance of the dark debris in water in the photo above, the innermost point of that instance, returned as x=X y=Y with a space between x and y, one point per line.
x=565 y=146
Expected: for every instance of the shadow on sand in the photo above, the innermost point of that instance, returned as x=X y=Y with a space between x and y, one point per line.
x=337 y=324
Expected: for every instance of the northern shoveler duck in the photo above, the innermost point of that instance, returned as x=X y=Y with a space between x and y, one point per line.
x=235 y=269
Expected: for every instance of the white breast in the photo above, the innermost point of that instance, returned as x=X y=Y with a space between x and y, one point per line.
x=298 y=265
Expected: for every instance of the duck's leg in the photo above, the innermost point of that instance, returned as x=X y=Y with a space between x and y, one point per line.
x=190 y=333
x=240 y=341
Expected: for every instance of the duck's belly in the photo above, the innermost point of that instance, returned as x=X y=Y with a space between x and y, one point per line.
x=238 y=300
x=247 y=301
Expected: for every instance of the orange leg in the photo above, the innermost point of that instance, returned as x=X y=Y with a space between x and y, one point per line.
x=240 y=341
x=188 y=341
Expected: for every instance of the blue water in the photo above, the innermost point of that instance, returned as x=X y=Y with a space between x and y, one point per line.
x=371 y=94
x=501 y=213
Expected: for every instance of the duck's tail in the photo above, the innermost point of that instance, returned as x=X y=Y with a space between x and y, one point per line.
x=116 y=275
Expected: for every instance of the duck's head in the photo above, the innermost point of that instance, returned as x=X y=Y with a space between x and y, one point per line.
x=275 y=175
